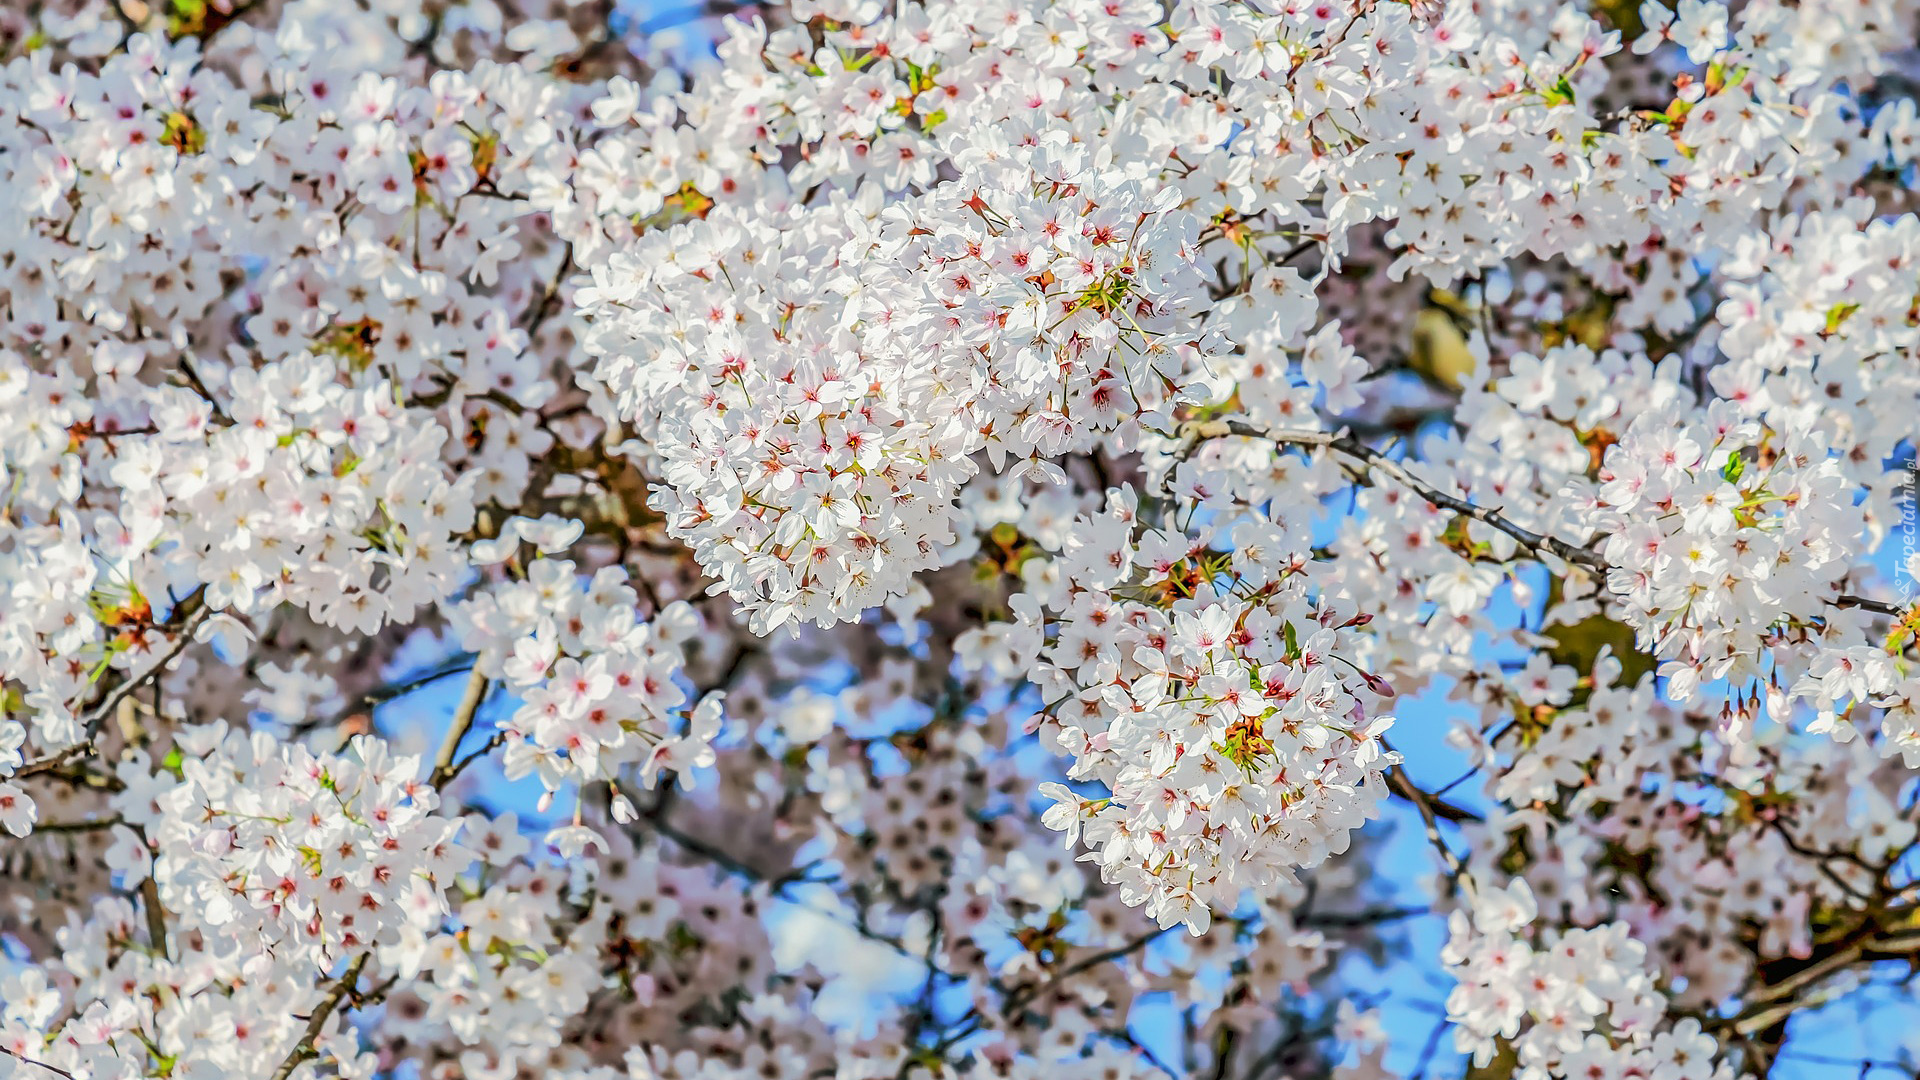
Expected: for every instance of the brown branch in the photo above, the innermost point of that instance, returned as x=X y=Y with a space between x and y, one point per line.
x=1847 y=600
x=549 y=301
x=471 y=699
x=98 y=717
x=1092 y=960
x=150 y=899
x=1402 y=785
x=380 y=695
x=498 y=740
x=655 y=817
x=1371 y=459
x=1018 y=998
x=89 y=825
x=1821 y=859
x=1353 y=920
x=303 y=1051
x=1788 y=985
x=693 y=845
x=156 y=916
x=1780 y=1001
x=52 y=761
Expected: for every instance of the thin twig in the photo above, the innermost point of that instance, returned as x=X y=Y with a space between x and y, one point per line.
x=549 y=301
x=1819 y=859
x=23 y=1059
x=1848 y=600
x=380 y=695
x=200 y=386
x=89 y=825
x=1404 y=786
x=656 y=818
x=498 y=740
x=1126 y=948
x=694 y=845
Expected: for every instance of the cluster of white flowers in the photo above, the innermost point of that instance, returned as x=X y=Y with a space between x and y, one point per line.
x=240 y=363
x=514 y=971
x=269 y=866
x=263 y=843
x=1706 y=551
x=1579 y=1003
x=1206 y=692
x=811 y=387
x=1685 y=827
x=598 y=689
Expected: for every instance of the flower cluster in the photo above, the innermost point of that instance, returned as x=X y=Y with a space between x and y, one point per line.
x=1577 y=1003
x=1707 y=552
x=247 y=352
x=1205 y=691
x=598 y=689
x=812 y=387
x=265 y=867
x=319 y=856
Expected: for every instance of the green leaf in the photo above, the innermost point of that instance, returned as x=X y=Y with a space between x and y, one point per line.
x=1838 y=314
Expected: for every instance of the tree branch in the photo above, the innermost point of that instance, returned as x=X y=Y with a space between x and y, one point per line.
x=1848 y=600
x=156 y=916
x=303 y=1050
x=1125 y=948
x=1370 y=458
x=89 y=825
x=471 y=699
x=1403 y=785
x=1352 y=920
x=98 y=717
x=380 y=695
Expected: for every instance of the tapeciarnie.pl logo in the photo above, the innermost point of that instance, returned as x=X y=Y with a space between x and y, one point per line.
x=1907 y=567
